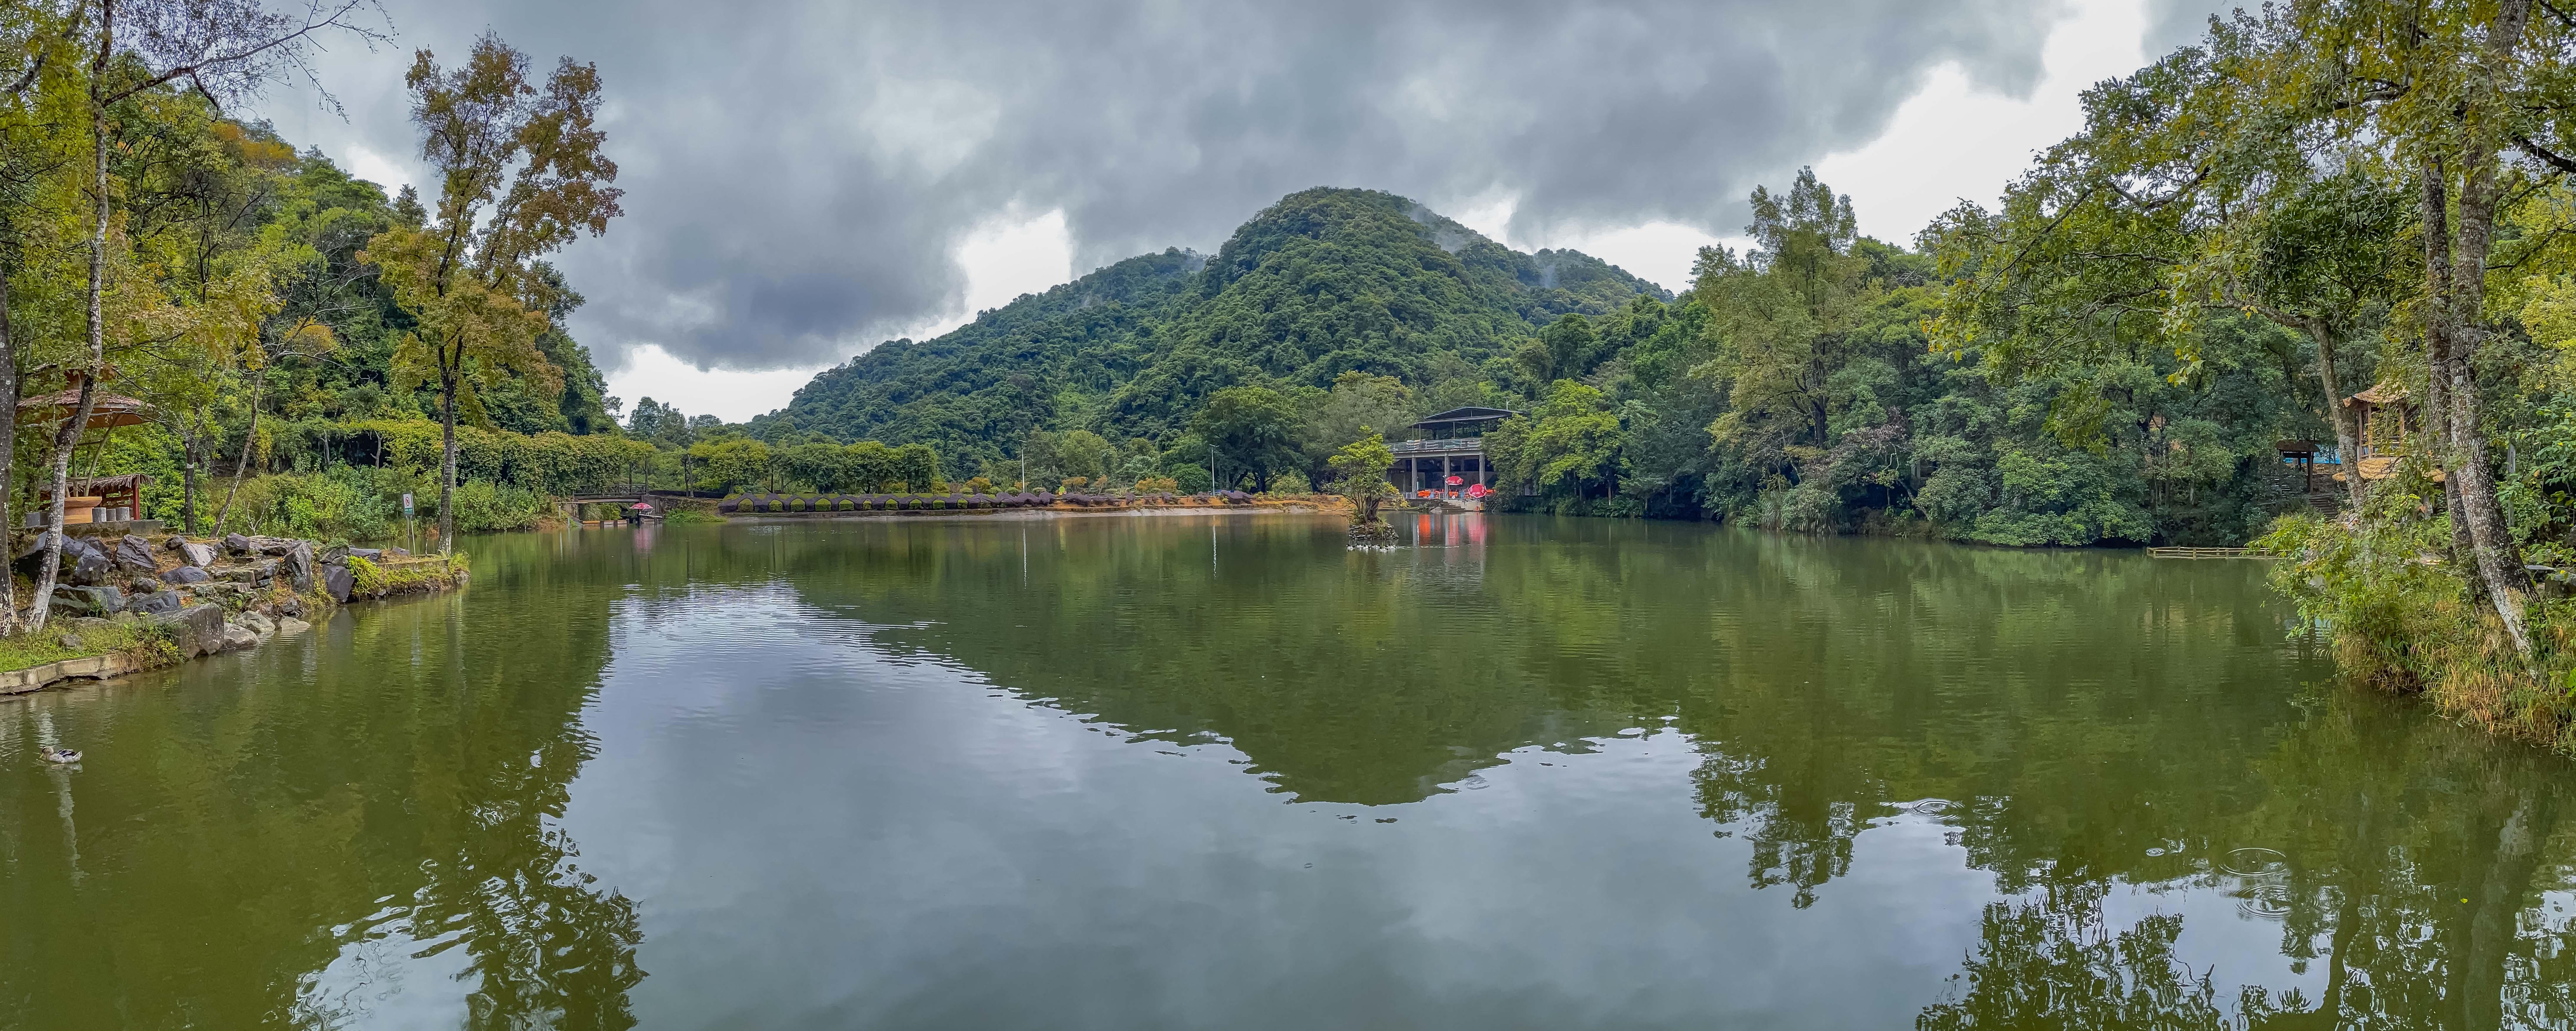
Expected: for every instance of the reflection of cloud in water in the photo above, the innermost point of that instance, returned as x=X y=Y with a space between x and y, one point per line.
x=385 y=978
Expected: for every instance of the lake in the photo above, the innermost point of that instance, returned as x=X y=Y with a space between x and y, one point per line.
x=1223 y=772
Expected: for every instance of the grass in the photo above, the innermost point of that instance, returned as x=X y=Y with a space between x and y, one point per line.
x=136 y=638
x=370 y=580
x=690 y=517
x=2404 y=620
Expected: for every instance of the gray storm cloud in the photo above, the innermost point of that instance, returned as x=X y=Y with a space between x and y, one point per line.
x=798 y=173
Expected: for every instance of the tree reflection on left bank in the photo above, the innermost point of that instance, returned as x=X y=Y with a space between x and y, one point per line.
x=250 y=825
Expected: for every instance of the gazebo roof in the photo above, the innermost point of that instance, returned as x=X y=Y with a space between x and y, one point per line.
x=105 y=410
x=2381 y=395
x=1460 y=416
x=127 y=483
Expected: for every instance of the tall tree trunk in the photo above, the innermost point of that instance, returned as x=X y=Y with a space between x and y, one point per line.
x=250 y=445
x=2435 y=431
x=8 y=453
x=2499 y=562
x=69 y=436
x=2345 y=437
x=447 y=461
x=192 y=444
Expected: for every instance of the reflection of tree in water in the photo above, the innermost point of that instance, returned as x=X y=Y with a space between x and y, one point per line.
x=550 y=946
x=2054 y=963
x=2086 y=716
x=261 y=822
x=2415 y=856
x=2063 y=713
x=1797 y=839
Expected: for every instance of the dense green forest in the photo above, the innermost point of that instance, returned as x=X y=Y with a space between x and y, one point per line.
x=1793 y=386
x=1325 y=282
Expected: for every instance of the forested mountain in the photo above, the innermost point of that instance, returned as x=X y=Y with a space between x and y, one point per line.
x=1324 y=282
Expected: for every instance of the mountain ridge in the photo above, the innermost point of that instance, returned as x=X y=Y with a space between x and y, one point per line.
x=1324 y=281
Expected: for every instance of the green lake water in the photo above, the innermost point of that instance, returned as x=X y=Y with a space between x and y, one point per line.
x=1223 y=772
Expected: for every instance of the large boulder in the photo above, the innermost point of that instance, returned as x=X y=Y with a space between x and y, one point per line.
x=33 y=555
x=196 y=554
x=75 y=549
x=196 y=630
x=215 y=590
x=187 y=575
x=85 y=564
x=274 y=545
x=297 y=566
x=337 y=582
x=133 y=554
x=292 y=625
x=237 y=638
x=236 y=544
x=88 y=601
x=255 y=573
x=155 y=603
x=257 y=624
x=335 y=553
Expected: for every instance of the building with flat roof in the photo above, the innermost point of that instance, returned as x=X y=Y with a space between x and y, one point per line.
x=1452 y=444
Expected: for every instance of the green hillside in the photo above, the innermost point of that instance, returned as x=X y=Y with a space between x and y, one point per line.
x=1323 y=282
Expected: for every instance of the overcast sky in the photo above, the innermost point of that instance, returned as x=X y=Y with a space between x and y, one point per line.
x=806 y=178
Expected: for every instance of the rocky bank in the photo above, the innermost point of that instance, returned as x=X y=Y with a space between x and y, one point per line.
x=207 y=596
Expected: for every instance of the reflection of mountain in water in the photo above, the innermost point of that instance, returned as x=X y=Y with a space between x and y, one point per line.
x=2091 y=718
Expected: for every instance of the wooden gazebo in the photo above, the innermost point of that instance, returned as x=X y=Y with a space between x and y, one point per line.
x=98 y=499
x=90 y=499
x=2384 y=414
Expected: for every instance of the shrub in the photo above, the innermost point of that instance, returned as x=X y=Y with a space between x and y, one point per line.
x=484 y=507
x=369 y=580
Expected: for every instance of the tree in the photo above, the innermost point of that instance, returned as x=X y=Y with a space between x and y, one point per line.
x=1083 y=453
x=223 y=50
x=521 y=174
x=1254 y=430
x=1357 y=404
x=1778 y=321
x=1571 y=441
x=2445 y=91
x=1362 y=465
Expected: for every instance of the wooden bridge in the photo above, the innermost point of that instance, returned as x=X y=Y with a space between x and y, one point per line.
x=2205 y=553
x=621 y=497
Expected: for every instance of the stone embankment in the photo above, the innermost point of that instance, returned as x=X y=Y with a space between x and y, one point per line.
x=185 y=598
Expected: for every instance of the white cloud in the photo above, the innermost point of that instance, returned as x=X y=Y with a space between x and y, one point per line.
x=1008 y=255
x=726 y=394
x=1951 y=140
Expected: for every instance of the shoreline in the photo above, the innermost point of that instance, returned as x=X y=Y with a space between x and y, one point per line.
x=1050 y=512
x=192 y=598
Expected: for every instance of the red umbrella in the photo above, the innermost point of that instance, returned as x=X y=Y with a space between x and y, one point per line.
x=1456 y=480
x=1476 y=491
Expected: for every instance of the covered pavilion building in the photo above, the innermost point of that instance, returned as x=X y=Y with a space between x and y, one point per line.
x=1452 y=445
